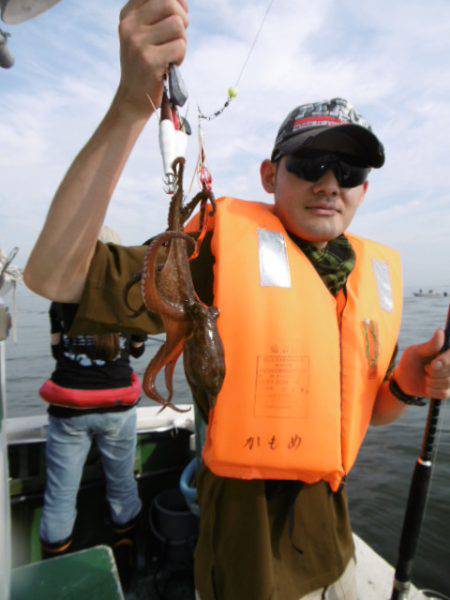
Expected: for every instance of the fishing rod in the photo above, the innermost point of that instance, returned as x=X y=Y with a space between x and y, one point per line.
x=417 y=498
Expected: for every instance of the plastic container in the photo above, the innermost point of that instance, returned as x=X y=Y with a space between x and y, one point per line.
x=174 y=526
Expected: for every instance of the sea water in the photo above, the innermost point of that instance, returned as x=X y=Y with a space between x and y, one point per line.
x=377 y=487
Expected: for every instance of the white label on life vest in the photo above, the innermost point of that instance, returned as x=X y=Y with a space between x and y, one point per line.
x=383 y=277
x=282 y=384
x=274 y=267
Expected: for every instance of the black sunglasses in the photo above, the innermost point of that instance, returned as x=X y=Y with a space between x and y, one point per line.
x=312 y=168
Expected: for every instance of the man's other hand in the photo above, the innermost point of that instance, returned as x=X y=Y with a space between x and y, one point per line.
x=424 y=371
x=152 y=36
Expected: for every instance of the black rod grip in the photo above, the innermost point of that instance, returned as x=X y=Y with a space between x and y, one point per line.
x=415 y=511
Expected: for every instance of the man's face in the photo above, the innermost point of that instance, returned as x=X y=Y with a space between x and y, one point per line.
x=317 y=211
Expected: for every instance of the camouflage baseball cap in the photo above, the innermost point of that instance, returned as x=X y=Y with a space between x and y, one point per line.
x=333 y=126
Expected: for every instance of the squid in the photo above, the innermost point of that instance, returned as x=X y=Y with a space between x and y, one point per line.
x=168 y=290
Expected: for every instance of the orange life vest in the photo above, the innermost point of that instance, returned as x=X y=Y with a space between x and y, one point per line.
x=303 y=368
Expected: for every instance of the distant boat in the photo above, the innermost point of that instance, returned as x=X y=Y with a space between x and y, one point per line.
x=430 y=294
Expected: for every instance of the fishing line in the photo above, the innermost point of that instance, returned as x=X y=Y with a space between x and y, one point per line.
x=233 y=91
x=254 y=43
x=194 y=173
x=201 y=168
x=232 y=94
x=151 y=102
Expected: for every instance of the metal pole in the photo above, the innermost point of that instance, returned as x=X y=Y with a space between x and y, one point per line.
x=5 y=516
x=417 y=499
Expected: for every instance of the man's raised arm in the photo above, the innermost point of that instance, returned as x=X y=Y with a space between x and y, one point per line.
x=152 y=36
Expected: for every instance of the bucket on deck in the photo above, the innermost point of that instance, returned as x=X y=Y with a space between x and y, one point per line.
x=174 y=526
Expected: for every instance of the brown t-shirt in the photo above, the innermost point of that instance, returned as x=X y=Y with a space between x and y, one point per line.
x=259 y=540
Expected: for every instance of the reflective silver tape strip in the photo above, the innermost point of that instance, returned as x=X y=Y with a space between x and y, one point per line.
x=274 y=267
x=383 y=277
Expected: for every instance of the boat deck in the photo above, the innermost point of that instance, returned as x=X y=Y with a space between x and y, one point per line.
x=374 y=574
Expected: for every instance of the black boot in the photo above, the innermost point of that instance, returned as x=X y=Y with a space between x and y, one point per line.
x=124 y=549
x=51 y=550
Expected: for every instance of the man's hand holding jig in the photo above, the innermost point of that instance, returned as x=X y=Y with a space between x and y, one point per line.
x=152 y=36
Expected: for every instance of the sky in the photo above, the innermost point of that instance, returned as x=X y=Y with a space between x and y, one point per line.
x=390 y=59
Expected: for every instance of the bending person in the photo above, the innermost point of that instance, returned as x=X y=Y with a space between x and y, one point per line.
x=92 y=394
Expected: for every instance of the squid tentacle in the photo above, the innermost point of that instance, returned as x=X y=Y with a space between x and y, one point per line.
x=165 y=355
x=154 y=301
x=168 y=373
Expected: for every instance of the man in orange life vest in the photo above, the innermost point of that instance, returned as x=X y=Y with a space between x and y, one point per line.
x=307 y=291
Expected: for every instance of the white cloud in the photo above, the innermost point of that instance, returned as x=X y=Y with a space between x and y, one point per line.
x=389 y=59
